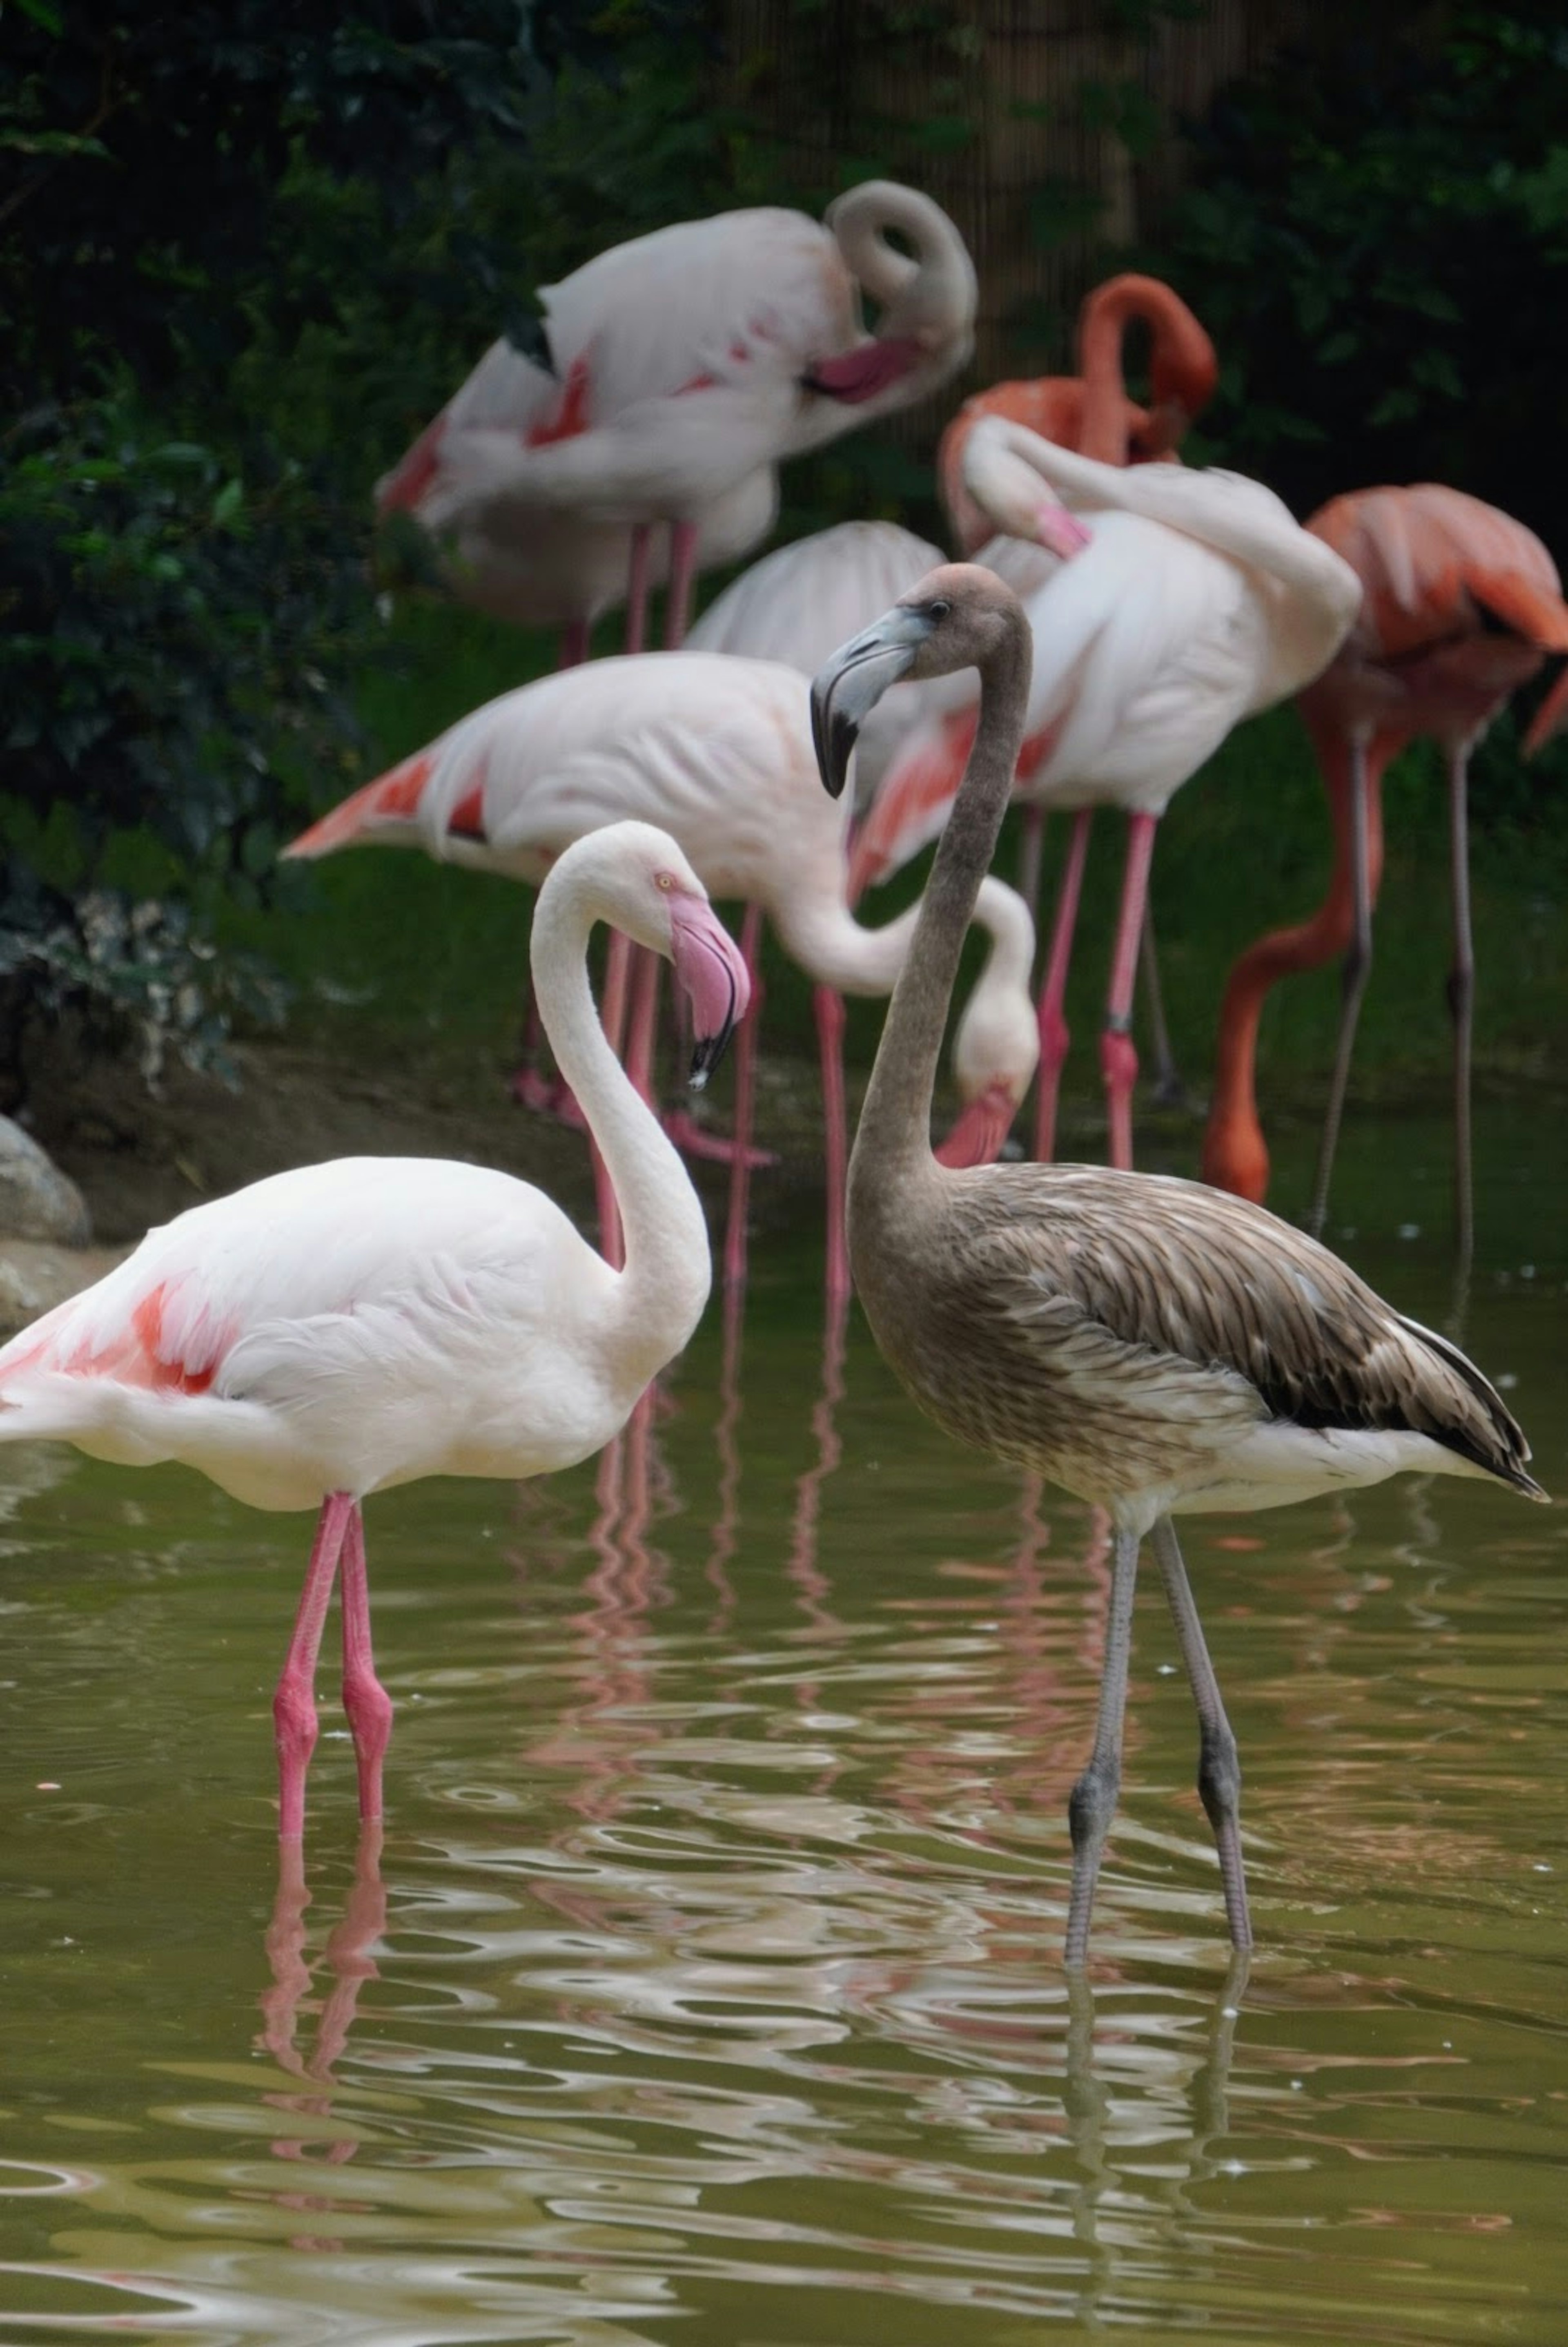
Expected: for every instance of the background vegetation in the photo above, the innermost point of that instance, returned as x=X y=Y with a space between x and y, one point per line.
x=245 y=249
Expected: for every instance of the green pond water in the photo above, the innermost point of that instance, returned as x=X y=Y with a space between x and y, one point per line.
x=706 y=1986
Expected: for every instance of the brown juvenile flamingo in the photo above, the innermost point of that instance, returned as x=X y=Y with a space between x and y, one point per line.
x=1460 y=605
x=1151 y=1345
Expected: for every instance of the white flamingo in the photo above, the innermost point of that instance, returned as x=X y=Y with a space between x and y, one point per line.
x=337 y=1330
x=684 y=367
x=1197 y=602
x=718 y=751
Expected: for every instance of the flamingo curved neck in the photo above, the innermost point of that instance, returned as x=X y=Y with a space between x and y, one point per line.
x=837 y=950
x=929 y=295
x=1103 y=426
x=893 y=1136
x=665 y=1284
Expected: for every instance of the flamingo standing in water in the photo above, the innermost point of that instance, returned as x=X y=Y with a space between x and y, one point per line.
x=1150 y=1344
x=1460 y=605
x=334 y=1331
x=1090 y=411
x=684 y=367
x=1196 y=601
x=718 y=750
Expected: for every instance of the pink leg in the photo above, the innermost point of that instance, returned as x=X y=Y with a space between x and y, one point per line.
x=745 y=1104
x=573 y=644
x=1118 y=1054
x=294 y=1701
x=1030 y=853
x=682 y=570
x=638 y=588
x=1054 y=1035
x=830 y=1009
x=646 y=971
x=366 y=1701
x=530 y=1086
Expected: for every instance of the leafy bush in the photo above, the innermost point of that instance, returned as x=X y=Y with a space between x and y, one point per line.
x=191 y=197
x=164 y=622
x=1377 y=236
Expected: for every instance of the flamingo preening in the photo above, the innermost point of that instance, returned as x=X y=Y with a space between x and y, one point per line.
x=1196 y=601
x=718 y=750
x=1151 y=1345
x=1460 y=605
x=331 y=1332
x=1091 y=411
x=684 y=367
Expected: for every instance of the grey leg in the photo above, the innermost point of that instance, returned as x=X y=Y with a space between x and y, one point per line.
x=1219 y=1767
x=1462 y=998
x=1357 y=970
x=1093 y=1800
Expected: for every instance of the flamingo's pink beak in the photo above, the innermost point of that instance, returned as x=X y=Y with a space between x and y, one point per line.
x=980 y=1128
x=865 y=371
x=713 y=975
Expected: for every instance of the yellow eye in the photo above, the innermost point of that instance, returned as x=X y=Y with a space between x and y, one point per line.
x=666 y=880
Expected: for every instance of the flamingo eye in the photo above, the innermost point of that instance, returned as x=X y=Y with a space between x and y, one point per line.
x=939 y=610
x=665 y=881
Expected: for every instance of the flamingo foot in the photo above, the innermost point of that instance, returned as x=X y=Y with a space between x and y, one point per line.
x=693 y=1140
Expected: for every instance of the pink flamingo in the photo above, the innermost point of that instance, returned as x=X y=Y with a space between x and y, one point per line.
x=333 y=1331
x=718 y=751
x=684 y=367
x=1197 y=602
x=1462 y=605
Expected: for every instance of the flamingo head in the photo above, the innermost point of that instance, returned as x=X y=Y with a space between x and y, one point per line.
x=955 y=618
x=640 y=881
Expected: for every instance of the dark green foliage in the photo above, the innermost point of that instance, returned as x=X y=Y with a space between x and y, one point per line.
x=1378 y=239
x=216 y=225
x=165 y=620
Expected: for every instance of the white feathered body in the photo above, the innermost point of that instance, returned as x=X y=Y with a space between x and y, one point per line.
x=346 y=1327
x=1199 y=602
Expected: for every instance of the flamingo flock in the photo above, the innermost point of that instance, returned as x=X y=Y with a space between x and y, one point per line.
x=1153 y=1345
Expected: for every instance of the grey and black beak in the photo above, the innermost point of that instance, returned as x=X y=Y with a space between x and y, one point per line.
x=851 y=680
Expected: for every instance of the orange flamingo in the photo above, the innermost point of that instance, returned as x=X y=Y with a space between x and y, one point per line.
x=1091 y=411
x=1460 y=605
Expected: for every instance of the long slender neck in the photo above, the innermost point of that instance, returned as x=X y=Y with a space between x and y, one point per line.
x=894 y=1131
x=1103 y=427
x=664 y=1286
